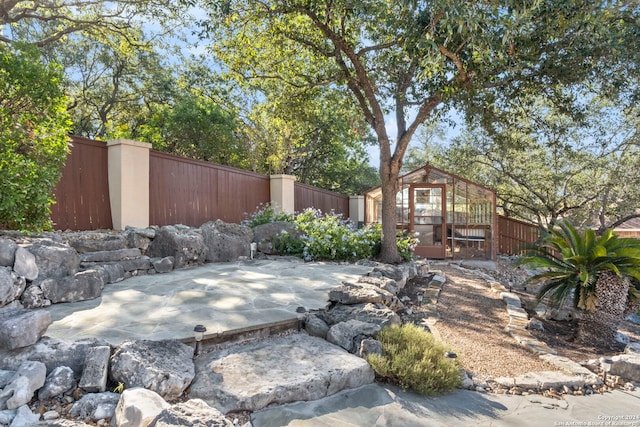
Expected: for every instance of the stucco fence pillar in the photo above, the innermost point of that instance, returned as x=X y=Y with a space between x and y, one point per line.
x=283 y=191
x=129 y=183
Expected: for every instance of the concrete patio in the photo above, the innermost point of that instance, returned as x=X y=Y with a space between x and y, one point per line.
x=226 y=298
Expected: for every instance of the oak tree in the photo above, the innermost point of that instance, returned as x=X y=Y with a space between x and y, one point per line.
x=407 y=59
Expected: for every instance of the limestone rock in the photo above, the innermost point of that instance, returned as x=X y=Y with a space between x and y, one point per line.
x=410 y=269
x=139 y=237
x=11 y=286
x=299 y=367
x=392 y=272
x=33 y=297
x=53 y=353
x=385 y=283
x=163 y=265
x=79 y=287
x=58 y=382
x=186 y=245
x=21 y=327
x=96 y=367
x=7 y=293
x=358 y=293
x=7 y=416
x=110 y=256
x=29 y=377
x=194 y=413
x=343 y=333
x=165 y=367
x=535 y=325
x=626 y=366
x=25 y=264
x=368 y=313
x=96 y=241
x=266 y=235
x=5 y=378
x=54 y=259
x=138 y=407
x=226 y=242
x=370 y=346
x=24 y=417
x=113 y=272
x=95 y=406
x=7 y=252
x=316 y=327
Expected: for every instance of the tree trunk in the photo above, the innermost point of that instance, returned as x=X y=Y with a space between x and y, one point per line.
x=389 y=176
x=599 y=327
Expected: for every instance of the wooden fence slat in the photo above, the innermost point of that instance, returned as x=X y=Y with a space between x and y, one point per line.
x=514 y=234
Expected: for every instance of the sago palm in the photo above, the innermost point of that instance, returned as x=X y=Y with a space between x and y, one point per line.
x=601 y=273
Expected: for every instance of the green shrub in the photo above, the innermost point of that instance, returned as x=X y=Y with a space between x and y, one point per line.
x=328 y=236
x=266 y=214
x=414 y=360
x=33 y=138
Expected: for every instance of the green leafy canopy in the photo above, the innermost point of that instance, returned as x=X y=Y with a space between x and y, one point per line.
x=33 y=138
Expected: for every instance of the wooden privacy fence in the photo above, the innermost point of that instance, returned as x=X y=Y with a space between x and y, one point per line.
x=513 y=234
x=308 y=196
x=192 y=192
x=82 y=194
x=180 y=190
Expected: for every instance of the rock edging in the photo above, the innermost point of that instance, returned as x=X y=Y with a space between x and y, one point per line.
x=576 y=378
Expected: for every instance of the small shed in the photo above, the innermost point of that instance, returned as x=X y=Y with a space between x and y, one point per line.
x=453 y=218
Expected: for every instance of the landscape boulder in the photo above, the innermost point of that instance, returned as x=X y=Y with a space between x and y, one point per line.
x=110 y=256
x=225 y=241
x=626 y=366
x=21 y=327
x=54 y=259
x=385 y=283
x=95 y=406
x=96 y=367
x=29 y=377
x=194 y=413
x=396 y=273
x=95 y=241
x=139 y=237
x=112 y=272
x=163 y=265
x=315 y=326
x=370 y=346
x=59 y=381
x=53 y=353
x=138 y=407
x=165 y=367
x=25 y=264
x=299 y=367
x=358 y=293
x=7 y=252
x=11 y=286
x=368 y=313
x=81 y=286
x=24 y=417
x=184 y=244
x=33 y=297
x=344 y=333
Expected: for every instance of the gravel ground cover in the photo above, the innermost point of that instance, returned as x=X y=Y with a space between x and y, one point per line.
x=472 y=319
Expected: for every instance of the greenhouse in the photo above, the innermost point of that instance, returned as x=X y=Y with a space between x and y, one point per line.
x=453 y=218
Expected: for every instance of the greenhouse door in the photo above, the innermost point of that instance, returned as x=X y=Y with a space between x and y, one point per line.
x=427 y=213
